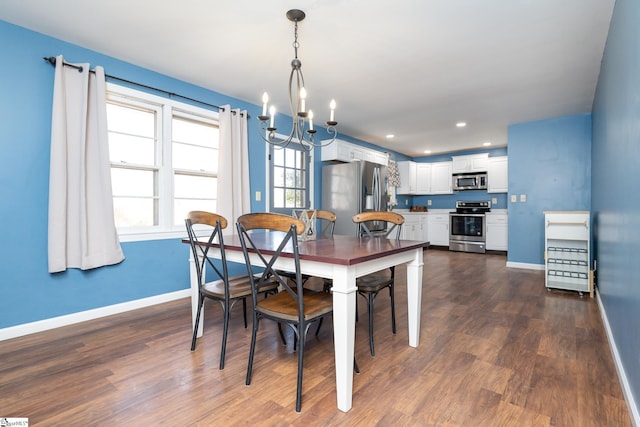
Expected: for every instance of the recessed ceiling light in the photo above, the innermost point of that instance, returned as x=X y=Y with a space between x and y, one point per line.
x=390 y=136
x=461 y=124
x=427 y=151
x=486 y=144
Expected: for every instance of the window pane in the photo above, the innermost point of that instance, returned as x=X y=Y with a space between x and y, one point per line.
x=290 y=160
x=195 y=158
x=133 y=182
x=134 y=212
x=278 y=177
x=278 y=197
x=194 y=132
x=195 y=187
x=131 y=149
x=290 y=178
x=131 y=120
x=290 y=201
x=183 y=206
x=278 y=156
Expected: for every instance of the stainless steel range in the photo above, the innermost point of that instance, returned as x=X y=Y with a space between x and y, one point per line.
x=467 y=226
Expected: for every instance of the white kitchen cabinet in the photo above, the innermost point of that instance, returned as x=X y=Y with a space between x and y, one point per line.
x=497 y=175
x=408 y=177
x=423 y=178
x=438 y=228
x=497 y=231
x=441 y=178
x=567 y=235
x=414 y=227
x=470 y=163
x=344 y=151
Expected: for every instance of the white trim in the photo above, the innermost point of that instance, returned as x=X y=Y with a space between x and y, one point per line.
x=626 y=388
x=82 y=316
x=525 y=265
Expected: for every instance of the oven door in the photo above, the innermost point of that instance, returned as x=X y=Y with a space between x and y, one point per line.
x=467 y=227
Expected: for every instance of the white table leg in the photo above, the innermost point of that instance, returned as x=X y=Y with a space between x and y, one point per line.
x=195 y=295
x=344 y=322
x=414 y=297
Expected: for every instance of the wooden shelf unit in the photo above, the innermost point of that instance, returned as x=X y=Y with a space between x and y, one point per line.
x=567 y=244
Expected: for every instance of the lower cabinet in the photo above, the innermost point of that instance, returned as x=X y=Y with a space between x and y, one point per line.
x=497 y=232
x=438 y=229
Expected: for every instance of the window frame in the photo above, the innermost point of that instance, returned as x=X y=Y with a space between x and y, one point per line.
x=167 y=108
x=269 y=174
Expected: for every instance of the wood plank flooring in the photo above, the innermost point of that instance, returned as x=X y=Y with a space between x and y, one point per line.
x=496 y=349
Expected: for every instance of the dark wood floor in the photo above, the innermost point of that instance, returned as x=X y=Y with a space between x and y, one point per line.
x=496 y=349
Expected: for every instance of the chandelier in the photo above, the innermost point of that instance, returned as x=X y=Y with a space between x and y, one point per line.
x=302 y=119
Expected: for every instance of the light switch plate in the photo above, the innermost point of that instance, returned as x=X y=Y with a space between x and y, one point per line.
x=523 y=198
x=494 y=200
x=428 y=202
x=258 y=196
x=513 y=198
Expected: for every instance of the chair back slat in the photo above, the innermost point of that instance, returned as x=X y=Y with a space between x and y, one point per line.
x=200 y=248
x=291 y=227
x=393 y=218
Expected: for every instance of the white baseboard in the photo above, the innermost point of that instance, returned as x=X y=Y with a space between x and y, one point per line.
x=525 y=265
x=626 y=388
x=82 y=316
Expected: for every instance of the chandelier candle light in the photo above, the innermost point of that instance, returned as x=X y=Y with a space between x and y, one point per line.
x=297 y=103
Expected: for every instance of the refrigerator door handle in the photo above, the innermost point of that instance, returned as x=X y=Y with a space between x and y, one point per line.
x=376 y=189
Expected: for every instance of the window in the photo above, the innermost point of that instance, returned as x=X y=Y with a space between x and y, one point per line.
x=164 y=162
x=290 y=183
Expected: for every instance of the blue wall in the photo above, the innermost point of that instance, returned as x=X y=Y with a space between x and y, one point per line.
x=550 y=163
x=28 y=292
x=615 y=174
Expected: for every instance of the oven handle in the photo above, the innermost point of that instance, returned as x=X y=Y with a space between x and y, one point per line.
x=459 y=214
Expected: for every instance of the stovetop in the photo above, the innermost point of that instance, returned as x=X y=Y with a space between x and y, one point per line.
x=476 y=207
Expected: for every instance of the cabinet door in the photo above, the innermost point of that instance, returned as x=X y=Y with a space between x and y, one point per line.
x=438 y=229
x=497 y=175
x=497 y=232
x=441 y=178
x=407 y=177
x=470 y=163
x=423 y=178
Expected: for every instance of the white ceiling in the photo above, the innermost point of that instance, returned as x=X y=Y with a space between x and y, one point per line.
x=408 y=67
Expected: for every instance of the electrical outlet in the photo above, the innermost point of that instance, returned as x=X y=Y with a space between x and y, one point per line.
x=428 y=202
x=494 y=200
x=406 y=202
x=258 y=196
x=523 y=198
x=513 y=198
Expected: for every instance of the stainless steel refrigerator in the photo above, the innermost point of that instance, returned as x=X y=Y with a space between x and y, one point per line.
x=351 y=188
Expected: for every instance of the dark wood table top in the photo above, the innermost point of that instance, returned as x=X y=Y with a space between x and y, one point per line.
x=342 y=250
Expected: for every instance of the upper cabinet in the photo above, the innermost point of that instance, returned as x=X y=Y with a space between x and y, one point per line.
x=497 y=175
x=470 y=163
x=343 y=151
x=424 y=178
x=408 y=177
x=441 y=182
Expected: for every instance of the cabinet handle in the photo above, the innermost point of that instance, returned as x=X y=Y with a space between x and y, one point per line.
x=567 y=223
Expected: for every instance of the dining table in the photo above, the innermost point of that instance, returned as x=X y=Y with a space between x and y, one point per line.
x=342 y=259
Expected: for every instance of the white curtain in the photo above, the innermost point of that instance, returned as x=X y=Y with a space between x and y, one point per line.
x=233 y=170
x=82 y=231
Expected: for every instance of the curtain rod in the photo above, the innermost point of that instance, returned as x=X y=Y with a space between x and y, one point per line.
x=52 y=60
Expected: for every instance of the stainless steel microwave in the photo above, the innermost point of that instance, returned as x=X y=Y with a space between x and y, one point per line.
x=470 y=181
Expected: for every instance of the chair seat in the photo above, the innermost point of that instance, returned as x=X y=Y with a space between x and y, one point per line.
x=239 y=286
x=373 y=282
x=283 y=306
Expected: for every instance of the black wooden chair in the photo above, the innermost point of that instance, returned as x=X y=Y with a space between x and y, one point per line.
x=370 y=285
x=224 y=289
x=294 y=306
